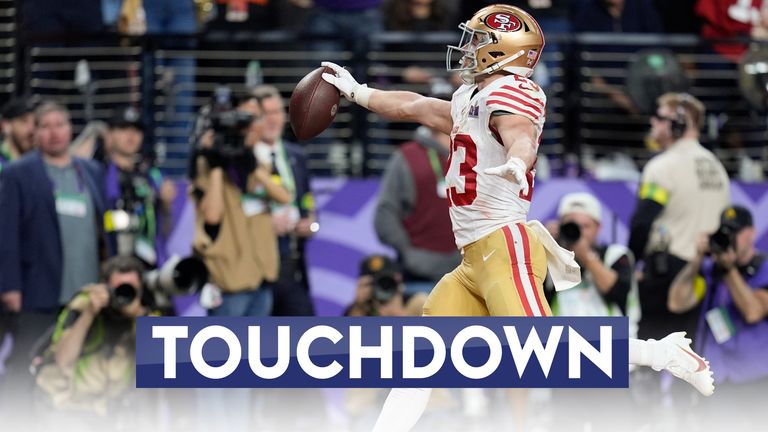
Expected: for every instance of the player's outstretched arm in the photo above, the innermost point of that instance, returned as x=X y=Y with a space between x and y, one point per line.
x=393 y=105
x=517 y=134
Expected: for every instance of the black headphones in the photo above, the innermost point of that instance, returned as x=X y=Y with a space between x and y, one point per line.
x=680 y=123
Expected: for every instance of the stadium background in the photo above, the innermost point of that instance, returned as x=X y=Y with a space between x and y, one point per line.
x=587 y=134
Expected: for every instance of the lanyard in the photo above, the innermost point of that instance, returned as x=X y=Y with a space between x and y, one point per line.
x=78 y=175
x=287 y=174
x=436 y=167
x=5 y=151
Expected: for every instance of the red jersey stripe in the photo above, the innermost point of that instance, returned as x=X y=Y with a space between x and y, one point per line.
x=518 y=100
x=526 y=95
x=517 y=109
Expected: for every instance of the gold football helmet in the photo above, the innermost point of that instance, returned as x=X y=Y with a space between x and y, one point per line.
x=497 y=37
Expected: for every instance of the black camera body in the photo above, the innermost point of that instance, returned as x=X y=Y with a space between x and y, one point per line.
x=178 y=276
x=722 y=240
x=228 y=124
x=122 y=296
x=228 y=127
x=568 y=234
x=385 y=286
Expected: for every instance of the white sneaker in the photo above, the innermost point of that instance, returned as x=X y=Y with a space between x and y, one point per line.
x=685 y=364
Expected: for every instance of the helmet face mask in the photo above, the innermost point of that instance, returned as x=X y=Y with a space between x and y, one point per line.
x=498 y=37
x=471 y=41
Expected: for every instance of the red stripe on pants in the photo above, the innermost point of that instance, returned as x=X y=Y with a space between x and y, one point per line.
x=516 y=271
x=527 y=249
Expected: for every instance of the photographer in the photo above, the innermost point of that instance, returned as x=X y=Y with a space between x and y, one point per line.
x=51 y=208
x=380 y=291
x=91 y=357
x=731 y=285
x=233 y=195
x=608 y=287
x=136 y=193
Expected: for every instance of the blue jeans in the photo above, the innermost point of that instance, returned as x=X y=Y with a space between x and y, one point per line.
x=256 y=303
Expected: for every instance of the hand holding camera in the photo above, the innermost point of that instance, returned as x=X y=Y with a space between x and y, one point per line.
x=98 y=296
x=213 y=157
x=569 y=236
x=722 y=240
x=726 y=260
x=364 y=290
x=721 y=245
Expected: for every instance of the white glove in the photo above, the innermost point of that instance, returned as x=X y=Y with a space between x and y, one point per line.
x=514 y=170
x=351 y=89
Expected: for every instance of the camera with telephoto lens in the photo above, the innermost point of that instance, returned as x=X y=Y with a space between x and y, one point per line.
x=385 y=286
x=122 y=296
x=568 y=234
x=722 y=240
x=228 y=124
x=178 y=276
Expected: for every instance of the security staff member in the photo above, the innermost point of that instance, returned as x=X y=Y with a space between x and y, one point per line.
x=682 y=193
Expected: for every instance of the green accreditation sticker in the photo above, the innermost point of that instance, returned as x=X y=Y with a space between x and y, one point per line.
x=252 y=205
x=73 y=205
x=442 y=189
x=146 y=250
x=720 y=323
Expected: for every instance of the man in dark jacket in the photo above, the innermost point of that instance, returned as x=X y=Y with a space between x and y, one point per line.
x=51 y=206
x=296 y=221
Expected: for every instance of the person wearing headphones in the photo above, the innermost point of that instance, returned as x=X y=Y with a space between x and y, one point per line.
x=683 y=190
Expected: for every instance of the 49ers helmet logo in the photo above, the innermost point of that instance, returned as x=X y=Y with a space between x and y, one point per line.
x=503 y=22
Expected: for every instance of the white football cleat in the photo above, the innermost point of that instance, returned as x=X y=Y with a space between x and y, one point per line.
x=685 y=364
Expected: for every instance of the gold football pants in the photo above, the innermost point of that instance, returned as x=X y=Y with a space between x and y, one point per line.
x=502 y=274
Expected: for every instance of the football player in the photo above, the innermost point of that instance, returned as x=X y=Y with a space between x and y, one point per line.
x=495 y=122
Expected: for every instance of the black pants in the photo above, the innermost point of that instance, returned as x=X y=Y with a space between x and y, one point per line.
x=291 y=291
x=657 y=321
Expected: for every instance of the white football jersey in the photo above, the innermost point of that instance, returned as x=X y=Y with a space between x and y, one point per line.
x=482 y=203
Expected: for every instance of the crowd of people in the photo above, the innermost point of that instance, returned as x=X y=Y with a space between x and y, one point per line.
x=83 y=222
x=187 y=16
x=66 y=217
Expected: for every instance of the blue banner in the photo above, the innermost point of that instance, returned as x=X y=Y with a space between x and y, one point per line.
x=302 y=352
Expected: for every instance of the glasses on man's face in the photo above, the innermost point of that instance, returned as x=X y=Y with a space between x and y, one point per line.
x=659 y=117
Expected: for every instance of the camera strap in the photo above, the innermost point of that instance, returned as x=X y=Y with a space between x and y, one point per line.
x=438 y=170
x=283 y=168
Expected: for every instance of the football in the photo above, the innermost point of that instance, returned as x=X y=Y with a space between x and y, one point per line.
x=313 y=105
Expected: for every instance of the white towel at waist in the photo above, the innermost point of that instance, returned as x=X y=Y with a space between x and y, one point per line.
x=563 y=269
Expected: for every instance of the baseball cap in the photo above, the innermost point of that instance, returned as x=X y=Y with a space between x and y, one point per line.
x=736 y=217
x=378 y=264
x=126 y=117
x=580 y=202
x=16 y=107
